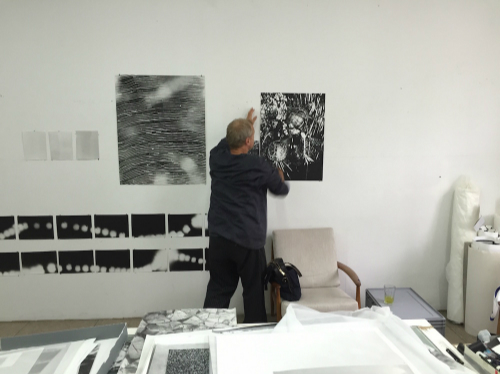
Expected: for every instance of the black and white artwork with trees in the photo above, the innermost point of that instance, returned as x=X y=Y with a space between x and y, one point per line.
x=180 y=225
x=111 y=226
x=74 y=227
x=148 y=225
x=7 y=228
x=39 y=262
x=35 y=227
x=186 y=259
x=9 y=263
x=76 y=262
x=150 y=260
x=292 y=133
x=112 y=261
x=161 y=129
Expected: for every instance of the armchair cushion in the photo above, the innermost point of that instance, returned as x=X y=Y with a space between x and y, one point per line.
x=312 y=251
x=328 y=299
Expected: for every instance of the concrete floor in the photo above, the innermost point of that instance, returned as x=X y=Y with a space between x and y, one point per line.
x=454 y=333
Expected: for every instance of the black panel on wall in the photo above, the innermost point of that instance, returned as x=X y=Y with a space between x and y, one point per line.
x=35 y=227
x=74 y=262
x=180 y=225
x=150 y=260
x=9 y=263
x=148 y=225
x=112 y=261
x=7 y=228
x=39 y=262
x=74 y=227
x=186 y=259
x=111 y=226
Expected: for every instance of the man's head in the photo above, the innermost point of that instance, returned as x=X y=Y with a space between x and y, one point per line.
x=240 y=135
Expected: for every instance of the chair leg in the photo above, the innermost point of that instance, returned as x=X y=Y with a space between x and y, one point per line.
x=358 y=296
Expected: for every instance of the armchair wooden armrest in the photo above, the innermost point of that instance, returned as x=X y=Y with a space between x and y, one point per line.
x=354 y=277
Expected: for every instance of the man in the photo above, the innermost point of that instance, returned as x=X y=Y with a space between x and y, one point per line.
x=237 y=219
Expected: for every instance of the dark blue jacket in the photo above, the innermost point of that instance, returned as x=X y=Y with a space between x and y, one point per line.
x=238 y=203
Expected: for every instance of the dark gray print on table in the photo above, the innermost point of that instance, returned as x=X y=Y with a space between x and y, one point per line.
x=180 y=225
x=39 y=262
x=193 y=361
x=35 y=227
x=148 y=225
x=186 y=259
x=207 y=259
x=111 y=226
x=88 y=362
x=161 y=129
x=74 y=227
x=76 y=262
x=9 y=263
x=150 y=260
x=112 y=261
x=7 y=228
x=292 y=133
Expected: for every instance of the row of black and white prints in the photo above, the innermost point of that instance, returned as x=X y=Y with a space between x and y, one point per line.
x=103 y=226
x=103 y=261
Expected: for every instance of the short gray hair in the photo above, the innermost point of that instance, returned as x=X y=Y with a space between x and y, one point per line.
x=237 y=132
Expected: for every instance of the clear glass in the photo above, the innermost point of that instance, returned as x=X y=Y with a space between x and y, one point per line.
x=389 y=293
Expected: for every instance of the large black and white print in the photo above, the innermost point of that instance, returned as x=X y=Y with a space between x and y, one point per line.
x=161 y=129
x=292 y=133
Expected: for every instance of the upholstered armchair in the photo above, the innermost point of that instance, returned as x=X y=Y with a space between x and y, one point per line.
x=313 y=252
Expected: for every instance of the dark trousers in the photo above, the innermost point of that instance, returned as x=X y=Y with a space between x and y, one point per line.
x=228 y=262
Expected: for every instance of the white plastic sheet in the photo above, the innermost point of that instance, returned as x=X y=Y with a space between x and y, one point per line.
x=465 y=215
x=372 y=338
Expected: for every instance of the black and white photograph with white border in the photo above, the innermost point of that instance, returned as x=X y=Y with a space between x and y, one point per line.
x=39 y=262
x=35 y=227
x=7 y=228
x=185 y=225
x=186 y=259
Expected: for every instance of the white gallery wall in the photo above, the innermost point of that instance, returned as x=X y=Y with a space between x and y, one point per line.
x=412 y=103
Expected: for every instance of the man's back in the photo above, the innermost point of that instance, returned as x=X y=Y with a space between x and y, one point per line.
x=238 y=203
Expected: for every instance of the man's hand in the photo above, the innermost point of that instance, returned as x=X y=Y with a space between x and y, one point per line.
x=281 y=175
x=249 y=116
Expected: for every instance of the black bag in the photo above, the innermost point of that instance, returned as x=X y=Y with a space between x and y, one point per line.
x=287 y=276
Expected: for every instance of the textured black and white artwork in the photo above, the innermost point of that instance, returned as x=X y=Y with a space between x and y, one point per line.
x=35 y=227
x=74 y=227
x=112 y=261
x=186 y=259
x=87 y=145
x=180 y=225
x=7 y=228
x=111 y=226
x=148 y=225
x=35 y=146
x=292 y=133
x=161 y=129
x=170 y=322
x=166 y=360
x=61 y=145
x=39 y=262
x=255 y=149
x=9 y=263
x=207 y=259
x=150 y=260
x=76 y=262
